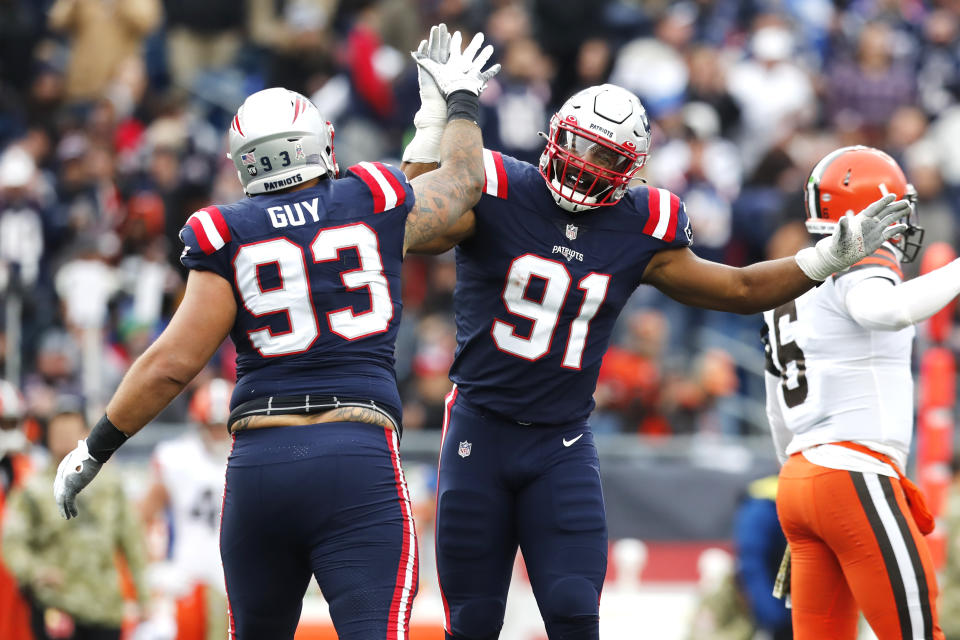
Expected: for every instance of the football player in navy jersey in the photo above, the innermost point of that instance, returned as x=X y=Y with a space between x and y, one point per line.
x=545 y=262
x=304 y=276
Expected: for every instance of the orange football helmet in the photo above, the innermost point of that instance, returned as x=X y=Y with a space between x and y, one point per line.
x=210 y=404
x=850 y=179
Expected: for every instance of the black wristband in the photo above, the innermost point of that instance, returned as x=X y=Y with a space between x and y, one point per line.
x=463 y=105
x=104 y=439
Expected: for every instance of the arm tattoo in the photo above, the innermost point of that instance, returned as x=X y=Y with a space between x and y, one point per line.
x=444 y=195
x=358 y=414
x=365 y=415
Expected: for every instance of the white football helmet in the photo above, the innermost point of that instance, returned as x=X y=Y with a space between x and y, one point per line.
x=598 y=141
x=278 y=139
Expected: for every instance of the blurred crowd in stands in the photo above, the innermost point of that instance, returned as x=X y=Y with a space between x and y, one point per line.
x=112 y=132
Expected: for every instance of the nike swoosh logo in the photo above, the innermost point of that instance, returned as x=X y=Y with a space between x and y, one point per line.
x=567 y=443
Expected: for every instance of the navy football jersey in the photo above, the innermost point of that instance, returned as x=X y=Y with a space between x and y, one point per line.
x=539 y=290
x=316 y=277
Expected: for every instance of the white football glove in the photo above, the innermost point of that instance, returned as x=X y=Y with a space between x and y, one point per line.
x=463 y=70
x=75 y=472
x=855 y=237
x=431 y=119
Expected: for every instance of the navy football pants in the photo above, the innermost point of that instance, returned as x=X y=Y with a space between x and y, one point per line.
x=328 y=500
x=502 y=485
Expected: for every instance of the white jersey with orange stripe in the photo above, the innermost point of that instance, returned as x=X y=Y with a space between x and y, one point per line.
x=316 y=276
x=539 y=290
x=193 y=477
x=830 y=380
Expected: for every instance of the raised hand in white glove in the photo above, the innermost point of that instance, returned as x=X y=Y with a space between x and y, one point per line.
x=463 y=70
x=431 y=118
x=75 y=472
x=855 y=237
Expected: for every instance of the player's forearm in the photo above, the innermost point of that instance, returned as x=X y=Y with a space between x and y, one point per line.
x=156 y=378
x=438 y=220
x=461 y=163
x=766 y=285
x=879 y=305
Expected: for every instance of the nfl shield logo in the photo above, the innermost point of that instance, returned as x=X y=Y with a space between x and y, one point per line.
x=464 y=449
x=571 y=232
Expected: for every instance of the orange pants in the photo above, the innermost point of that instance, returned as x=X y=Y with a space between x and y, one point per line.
x=855 y=547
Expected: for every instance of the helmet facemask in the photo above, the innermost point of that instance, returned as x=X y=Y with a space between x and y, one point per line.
x=910 y=241
x=585 y=169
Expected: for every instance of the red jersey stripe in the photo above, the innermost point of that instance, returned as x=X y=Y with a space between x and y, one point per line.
x=218 y=222
x=408 y=569
x=653 y=209
x=379 y=201
x=394 y=183
x=205 y=245
x=671 y=231
x=501 y=174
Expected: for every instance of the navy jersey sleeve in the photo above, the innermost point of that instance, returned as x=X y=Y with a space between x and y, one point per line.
x=386 y=188
x=204 y=237
x=666 y=218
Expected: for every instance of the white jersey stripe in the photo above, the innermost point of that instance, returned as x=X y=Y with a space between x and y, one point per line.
x=491 y=184
x=389 y=195
x=907 y=572
x=409 y=530
x=210 y=229
x=663 y=220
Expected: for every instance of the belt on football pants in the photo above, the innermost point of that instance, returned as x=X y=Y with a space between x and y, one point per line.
x=307 y=405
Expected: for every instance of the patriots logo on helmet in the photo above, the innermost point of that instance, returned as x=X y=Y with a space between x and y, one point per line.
x=298 y=150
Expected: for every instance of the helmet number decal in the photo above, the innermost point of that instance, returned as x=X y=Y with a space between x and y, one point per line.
x=788 y=354
x=545 y=314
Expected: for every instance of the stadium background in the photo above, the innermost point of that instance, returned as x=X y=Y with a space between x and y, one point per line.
x=112 y=132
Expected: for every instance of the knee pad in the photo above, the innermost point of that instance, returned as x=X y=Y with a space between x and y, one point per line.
x=479 y=619
x=571 y=598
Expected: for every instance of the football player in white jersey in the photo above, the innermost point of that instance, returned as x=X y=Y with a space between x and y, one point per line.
x=187 y=491
x=840 y=404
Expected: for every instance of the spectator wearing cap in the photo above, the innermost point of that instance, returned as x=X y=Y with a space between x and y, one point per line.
x=14 y=469
x=26 y=228
x=775 y=95
x=654 y=67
